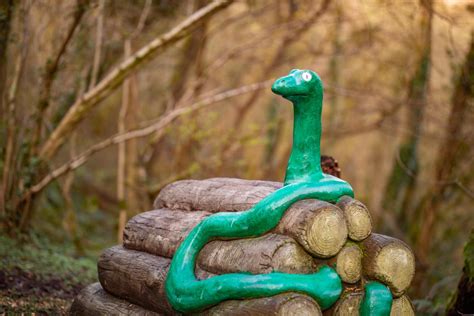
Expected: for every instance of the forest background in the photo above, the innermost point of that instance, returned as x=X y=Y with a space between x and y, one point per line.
x=105 y=102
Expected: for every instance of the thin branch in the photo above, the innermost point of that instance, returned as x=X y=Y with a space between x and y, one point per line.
x=142 y=19
x=51 y=70
x=98 y=44
x=115 y=78
x=159 y=126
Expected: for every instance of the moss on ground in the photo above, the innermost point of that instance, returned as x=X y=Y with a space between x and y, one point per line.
x=36 y=276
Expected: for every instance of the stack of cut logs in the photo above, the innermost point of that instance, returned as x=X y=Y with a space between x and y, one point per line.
x=311 y=233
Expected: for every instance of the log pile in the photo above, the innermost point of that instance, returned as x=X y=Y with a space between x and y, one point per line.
x=310 y=234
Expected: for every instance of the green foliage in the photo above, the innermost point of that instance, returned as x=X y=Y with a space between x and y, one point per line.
x=43 y=259
x=469 y=256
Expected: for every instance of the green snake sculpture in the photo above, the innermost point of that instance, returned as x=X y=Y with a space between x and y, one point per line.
x=304 y=180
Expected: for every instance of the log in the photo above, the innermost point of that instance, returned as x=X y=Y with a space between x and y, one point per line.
x=318 y=226
x=348 y=263
x=136 y=277
x=389 y=261
x=264 y=254
x=348 y=304
x=214 y=195
x=139 y=278
x=282 y=305
x=95 y=301
x=359 y=222
x=402 y=306
x=160 y=232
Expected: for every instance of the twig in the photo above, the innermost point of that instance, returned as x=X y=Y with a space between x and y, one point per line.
x=80 y=108
x=98 y=44
x=159 y=126
x=51 y=70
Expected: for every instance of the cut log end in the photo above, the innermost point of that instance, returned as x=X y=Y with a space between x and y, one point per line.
x=390 y=261
x=359 y=222
x=318 y=226
x=348 y=304
x=300 y=305
x=327 y=233
x=402 y=306
x=349 y=263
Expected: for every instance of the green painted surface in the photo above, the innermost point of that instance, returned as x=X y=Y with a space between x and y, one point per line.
x=304 y=180
x=377 y=300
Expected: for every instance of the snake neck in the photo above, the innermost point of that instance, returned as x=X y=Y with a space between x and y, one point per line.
x=304 y=164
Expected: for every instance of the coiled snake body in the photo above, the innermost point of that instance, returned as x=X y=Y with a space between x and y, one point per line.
x=304 y=180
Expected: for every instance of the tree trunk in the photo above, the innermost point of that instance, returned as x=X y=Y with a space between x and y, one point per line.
x=448 y=156
x=389 y=261
x=6 y=10
x=462 y=302
x=400 y=187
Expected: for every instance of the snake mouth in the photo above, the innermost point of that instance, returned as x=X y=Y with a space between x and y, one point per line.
x=295 y=95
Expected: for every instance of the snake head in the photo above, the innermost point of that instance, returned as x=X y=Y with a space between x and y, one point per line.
x=298 y=83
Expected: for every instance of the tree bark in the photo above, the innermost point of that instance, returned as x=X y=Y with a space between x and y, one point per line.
x=160 y=232
x=389 y=261
x=462 y=302
x=6 y=11
x=136 y=277
x=400 y=188
x=264 y=254
x=215 y=194
x=95 y=301
x=318 y=226
x=448 y=156
x=359 y=221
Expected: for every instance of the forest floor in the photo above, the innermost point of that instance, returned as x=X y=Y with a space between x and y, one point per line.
x=37 y=277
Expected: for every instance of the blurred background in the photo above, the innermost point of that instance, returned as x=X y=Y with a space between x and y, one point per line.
x=398 y=117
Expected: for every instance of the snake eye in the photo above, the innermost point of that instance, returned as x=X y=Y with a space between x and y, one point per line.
x=306 y=76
